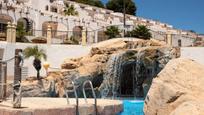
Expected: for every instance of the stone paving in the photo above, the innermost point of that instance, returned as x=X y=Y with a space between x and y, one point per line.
x=58 y=106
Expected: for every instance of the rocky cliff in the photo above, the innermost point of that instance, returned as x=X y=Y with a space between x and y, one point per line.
x=117 y=67
x=177 y=90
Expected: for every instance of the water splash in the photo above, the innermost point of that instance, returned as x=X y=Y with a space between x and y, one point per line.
x=116 y=72
x=112 y=76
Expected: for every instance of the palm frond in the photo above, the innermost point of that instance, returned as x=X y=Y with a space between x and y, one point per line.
x=35 y=52
x=70 y=10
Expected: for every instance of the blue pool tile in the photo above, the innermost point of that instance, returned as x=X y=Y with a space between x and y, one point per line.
x=133 y=107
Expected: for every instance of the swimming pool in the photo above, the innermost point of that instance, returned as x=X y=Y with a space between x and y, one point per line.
x=132 y=107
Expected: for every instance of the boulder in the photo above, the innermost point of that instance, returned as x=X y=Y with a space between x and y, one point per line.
x=142 y=58
x=35 y=88
x=177 y=90
x=69 y=64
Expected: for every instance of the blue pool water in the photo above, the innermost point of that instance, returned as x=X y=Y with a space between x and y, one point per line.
x=132 y=107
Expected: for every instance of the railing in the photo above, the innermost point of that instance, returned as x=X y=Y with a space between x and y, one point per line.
x=94 y=95
x=76 y=96
x=17 y=80
x=57 y=37
x=34 y=36
x=65 y=37
x=3 y=78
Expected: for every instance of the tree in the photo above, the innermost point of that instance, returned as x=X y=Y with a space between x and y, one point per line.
x=69 y=10
x=118 y=6
x=96 y=3
x=38 y=54
x=112 y=32
x=141 y=32
x=20 y=32
x=192 y=31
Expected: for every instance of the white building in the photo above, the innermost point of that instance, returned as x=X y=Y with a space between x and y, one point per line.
x=36 y=15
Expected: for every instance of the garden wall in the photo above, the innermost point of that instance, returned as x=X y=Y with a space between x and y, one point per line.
x=55 y=55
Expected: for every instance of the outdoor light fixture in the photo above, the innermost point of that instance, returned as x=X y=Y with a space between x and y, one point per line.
x=46 y=65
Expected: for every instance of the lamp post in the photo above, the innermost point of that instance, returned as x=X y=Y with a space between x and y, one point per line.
x=124 y=20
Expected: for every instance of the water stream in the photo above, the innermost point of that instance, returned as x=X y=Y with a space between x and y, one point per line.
x=125 y=75
x=112 y=76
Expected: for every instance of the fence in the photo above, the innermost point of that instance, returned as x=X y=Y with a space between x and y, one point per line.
x=101 y=36
x=57 y=37
x=80 y=36
x=28 y=36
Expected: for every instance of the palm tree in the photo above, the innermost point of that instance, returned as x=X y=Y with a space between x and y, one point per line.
x=142 y=32
x=38 y=54
x=112 y=32
x=69 y=10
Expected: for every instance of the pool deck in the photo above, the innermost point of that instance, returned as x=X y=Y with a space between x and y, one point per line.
x=58 y=106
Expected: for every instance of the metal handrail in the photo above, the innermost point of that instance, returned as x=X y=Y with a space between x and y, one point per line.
x=6 y=84
x=3 y=61
x=93 y=92
x=76 y=96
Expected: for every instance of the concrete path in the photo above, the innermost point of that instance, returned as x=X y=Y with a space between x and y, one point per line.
x=58 y=106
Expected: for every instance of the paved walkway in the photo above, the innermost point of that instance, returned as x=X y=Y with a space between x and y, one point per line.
x=58 y=106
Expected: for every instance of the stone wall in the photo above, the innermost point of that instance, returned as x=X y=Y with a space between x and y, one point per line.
x=55 y=54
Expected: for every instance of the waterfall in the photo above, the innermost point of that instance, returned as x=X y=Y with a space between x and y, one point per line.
x=112 y=75
x=139 y=73
x=125 y=74
x=114 y=72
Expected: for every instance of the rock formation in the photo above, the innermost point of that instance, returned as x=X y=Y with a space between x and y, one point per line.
x=118 y=67
x=177 y=90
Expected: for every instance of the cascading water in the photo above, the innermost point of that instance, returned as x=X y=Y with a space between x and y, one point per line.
x=126 y=74
x=112 y=75
x=115 y=70
x=139 y=73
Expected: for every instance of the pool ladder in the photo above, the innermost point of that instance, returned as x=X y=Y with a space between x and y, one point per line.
x=93 y=93
x=76 y=96
x=84 y=93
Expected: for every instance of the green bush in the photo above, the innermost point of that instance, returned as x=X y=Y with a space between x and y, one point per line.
x=141 y=32
x=112 y=32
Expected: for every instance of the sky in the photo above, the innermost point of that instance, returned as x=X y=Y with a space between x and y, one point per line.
x=182 y=14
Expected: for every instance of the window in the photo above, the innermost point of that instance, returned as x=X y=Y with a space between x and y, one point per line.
x=51 y=1
x=2 y=27
x=165 y=25
x=94 y=10
x=47 y=8
x=82 y=7
x=108 y=12
x=179 y=43
x=53 y=9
